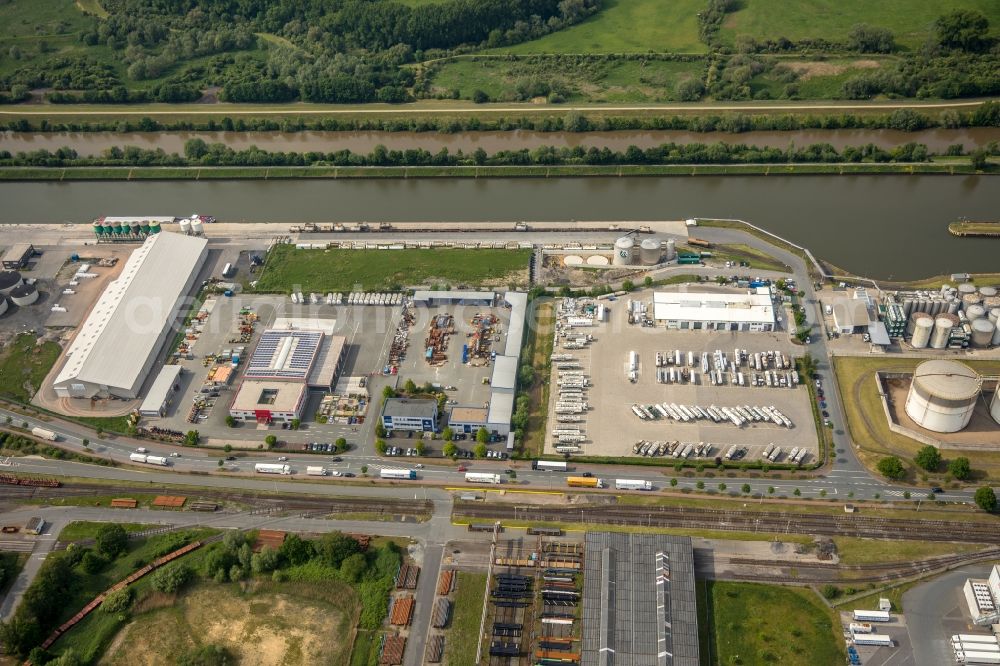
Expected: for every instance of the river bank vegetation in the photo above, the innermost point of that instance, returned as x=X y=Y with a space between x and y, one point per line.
x=546 y=51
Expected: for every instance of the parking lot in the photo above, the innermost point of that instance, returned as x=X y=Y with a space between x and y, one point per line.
x=612 y=429
x=899 y=654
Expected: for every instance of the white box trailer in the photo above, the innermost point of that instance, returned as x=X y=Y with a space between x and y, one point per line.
x=387 y=473
x=633 y=484
x=148 y=459
x=871 y=616
x=270 y=468
x=971 y=658
x=977 y=647
x=860 y=628
x=316 y=471
x=42 y=433
x=480 y=477
x=974 y=638
x=880 y=640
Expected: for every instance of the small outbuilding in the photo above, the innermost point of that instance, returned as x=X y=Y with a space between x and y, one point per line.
x=17 y=256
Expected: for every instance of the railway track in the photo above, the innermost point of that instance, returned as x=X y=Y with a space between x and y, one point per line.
x=697 y=519
x=311 y=505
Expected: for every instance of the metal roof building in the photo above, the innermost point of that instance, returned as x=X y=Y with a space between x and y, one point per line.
x=405 y=414
x=17 y=255
x=518 y=302
x=158 y=396
x=268 y=400
x=458 y=297
x=639 y=606
x=711 y=311
x=504 y=376
x=285 y=355
x=116 y=347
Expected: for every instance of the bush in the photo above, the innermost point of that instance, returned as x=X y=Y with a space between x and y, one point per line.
x=117 y=601
x=92 y=563
x=830 y=591
x=986 y=499
x=960 y=468
x=449 y=449
x=928 y=457
x=111 y=540
x=170 y=579
x=891 y=468
x=206 y=655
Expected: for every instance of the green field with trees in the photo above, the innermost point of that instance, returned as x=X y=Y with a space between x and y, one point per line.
x=24 y=362
x=289 y=268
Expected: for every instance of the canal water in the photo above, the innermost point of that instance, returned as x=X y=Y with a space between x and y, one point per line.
x=94 y=143
x=887 y=226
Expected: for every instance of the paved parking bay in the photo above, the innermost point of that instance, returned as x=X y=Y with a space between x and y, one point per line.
x=900 y=654
x=936 y=610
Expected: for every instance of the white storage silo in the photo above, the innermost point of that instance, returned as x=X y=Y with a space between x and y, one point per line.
x=966 y=288
x=982 y=332
x=197 y=226
x=624 y=251
x=649 y=252
x=995 y=405
x=943 y=395
x=185 y=225
x=24 y=294
x=3 y=304
x=974 y=312
x=671 y=250
x=987 y=292
x=922 y=328
x=942 y=330
x=911 y=324
x=968 y=300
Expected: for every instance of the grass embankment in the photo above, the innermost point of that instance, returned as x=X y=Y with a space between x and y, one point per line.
x=750 y=623
x=463 y=633
x=578 y=79
x=974 y=229
x=267 y=173
x=538 y=351
x=866 y=419
x=756 y=258
x=854 y=550
x=23 y=366
x=85 y=529
x=911 y=21
x=289 y=268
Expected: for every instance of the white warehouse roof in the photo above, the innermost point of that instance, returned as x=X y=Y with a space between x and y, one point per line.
x=115 y=347
x=707 y=306
x=162 y=386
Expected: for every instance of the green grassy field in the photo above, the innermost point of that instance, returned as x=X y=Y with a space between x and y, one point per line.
x=817 y=79
x=23 y=366
x=626 y=26
x=460 y=644
x=576 y=79
x=853 y=550
x=767 y=624
x=82 y=529
x=387 y=270
x=866 y=420
x=910 y=20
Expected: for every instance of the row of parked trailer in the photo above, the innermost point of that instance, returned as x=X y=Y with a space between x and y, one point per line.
x=353 y=298
x=738 y=415
x=675 y=449
x=718 y=360
x=571 y=403
x=976 y=649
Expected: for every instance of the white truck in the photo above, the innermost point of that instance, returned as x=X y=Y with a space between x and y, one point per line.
x=270 y=468
x=148 y=459
x=633 y=484
x=316 y=471
x=481 y=477
x=42 y=433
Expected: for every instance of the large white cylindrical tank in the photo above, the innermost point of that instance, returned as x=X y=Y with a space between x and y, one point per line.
x=974 y=312
x=994 y=315
x=649 y=252
x=185 y=225
x=9 y=280
x=197 y=226
x=982 y=332
x=942 y=331
x=969 y=300
x=671 y=250
x=987 y=291
x=911 y=324
x=966 y=288
x=3 y=304
x=991 y=302
x=922 y=329
x=24 y=294
x=624 y=251
x=995 y=405
x=943 y=395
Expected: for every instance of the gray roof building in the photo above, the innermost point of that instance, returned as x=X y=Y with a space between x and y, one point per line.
x=639 y=606
x=116 y=347
x=504 y=376
x=159 y=393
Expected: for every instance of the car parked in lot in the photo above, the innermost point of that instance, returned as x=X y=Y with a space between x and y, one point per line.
x=348 y=475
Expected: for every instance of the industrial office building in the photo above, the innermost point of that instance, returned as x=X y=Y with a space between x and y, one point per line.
x=266 y=401
x=17 y=256
x=117 y=346
x=158 y=397
x=709 y=311
x=418 y=415
x=639 y=605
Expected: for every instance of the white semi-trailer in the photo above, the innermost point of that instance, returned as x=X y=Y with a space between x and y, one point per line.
x=316 y=471
x=397 y=474
x=270 y=468
x=480 y=477
x=633 y=484
x=148 y=459
x=42 y=433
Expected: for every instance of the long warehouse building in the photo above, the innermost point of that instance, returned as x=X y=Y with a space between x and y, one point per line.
x=713 y=311
x=116 y=348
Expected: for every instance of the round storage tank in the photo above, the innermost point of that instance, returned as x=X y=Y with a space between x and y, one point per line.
x=922 y=328
x=25 y=294
x=987 y=291
x=197 y=226
x=942 y=330
x=991 y=302
x=572 y=260
x=624 y=251
x=597 y=260
x=116 y=228
x=671 y=250
x=974 y=312
x=943 y=395
x=8 y=281
x=144 y=227
x=3 y=304
x=982 y=332
x=971 y=299
x=134 y=228
x=994 y=315
x=98 y=228
x=185 y=226
x=995 y=405
x=154 y=227
x=966 y=288
x=649 y=252
x=911 y=325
